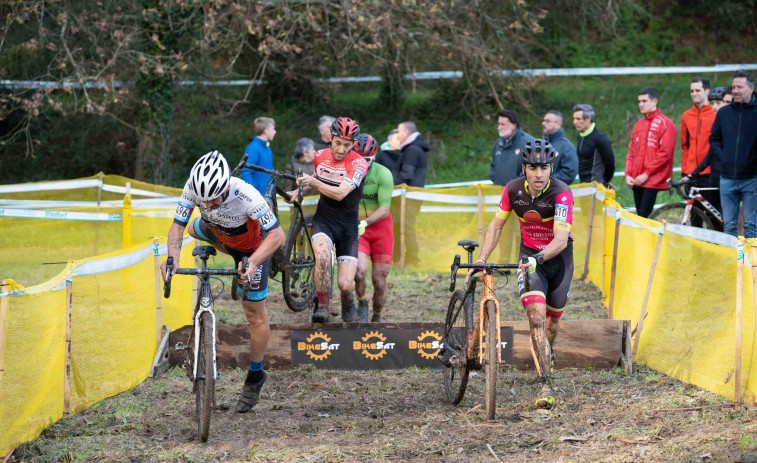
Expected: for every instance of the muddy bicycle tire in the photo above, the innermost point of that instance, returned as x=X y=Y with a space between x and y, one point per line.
x=298 y=281
x=460 y=309
x=492 y=361
x=205 y=383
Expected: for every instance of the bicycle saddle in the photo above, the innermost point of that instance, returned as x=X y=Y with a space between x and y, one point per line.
x=204 y=251
x=468 y=245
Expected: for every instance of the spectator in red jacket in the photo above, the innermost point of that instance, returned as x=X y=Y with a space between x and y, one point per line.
x=649 y=163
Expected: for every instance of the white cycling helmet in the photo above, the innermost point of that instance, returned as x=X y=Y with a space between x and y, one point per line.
x=210 y=176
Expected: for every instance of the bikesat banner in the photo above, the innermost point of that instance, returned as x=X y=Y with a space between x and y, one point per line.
x=377 y=349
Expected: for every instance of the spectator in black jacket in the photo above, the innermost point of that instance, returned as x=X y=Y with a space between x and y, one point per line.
x=390 y=153
x=733 y=140
x=596 y=159
x=411 y=170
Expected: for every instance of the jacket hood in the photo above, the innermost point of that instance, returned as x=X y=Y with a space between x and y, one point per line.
x=417 y=139
x=752 y=102
x=560 y=133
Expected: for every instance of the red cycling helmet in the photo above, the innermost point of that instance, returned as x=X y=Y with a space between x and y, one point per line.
x=365 y=145
x=344 y=127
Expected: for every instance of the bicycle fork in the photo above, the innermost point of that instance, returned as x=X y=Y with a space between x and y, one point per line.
x=204 y=307
x=487 y=296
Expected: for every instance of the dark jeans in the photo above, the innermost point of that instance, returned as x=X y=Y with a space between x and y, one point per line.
x=644 y=199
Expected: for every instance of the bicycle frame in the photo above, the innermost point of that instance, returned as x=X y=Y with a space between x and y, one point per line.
x=694 y=194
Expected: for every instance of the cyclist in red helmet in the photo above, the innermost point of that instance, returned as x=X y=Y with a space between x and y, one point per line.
x=338 y=177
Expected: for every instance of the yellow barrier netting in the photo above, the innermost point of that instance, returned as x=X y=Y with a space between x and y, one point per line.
x=688 y=332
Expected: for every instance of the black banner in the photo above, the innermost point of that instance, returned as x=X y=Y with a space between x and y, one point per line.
x=377 y=348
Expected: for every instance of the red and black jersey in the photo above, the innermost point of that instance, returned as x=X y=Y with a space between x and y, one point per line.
x=351 y=169
x=540 y=216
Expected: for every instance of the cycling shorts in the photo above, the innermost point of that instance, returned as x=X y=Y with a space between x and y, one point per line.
x=378 y=241
x=550 y=282
x=341 y=232
x=259 y=280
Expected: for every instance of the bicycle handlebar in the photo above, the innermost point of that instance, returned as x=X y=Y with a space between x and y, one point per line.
x=272 y=173
x=193 y=271
x=456 y=265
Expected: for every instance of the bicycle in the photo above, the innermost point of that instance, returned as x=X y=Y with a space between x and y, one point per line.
x=466 y=347
x=201 y=354
x=295 y=259
x=696 y=210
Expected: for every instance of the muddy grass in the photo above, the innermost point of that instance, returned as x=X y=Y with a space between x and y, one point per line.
x=308 y=415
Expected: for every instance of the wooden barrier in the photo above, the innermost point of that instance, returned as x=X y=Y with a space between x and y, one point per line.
x=601 y=344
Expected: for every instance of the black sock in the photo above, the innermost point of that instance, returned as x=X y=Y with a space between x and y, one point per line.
x=254 y=376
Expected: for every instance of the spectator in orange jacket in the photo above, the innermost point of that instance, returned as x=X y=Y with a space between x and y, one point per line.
x=695 y=129
x=649 y=163
x=695 y=134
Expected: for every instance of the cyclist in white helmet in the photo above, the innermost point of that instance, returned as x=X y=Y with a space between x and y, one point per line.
x=235 y=219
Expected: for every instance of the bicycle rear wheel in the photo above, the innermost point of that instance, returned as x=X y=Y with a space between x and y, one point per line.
x=455 y=342
x=205 y=383
x=492 y=360
x=298 y=280
x=674 y=213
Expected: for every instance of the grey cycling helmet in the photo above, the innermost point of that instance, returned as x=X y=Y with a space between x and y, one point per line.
x=538 y=152
x=210 y=176
x=716 y=93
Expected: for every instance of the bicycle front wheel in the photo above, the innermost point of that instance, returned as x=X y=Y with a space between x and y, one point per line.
x=298 y=280
x=205 y=382
x=455 y=341
x=492 y=360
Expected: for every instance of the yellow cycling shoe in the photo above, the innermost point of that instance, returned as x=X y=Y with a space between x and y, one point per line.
x=546 y=398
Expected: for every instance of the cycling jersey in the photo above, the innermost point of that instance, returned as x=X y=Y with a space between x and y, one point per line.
x=351 y=169
x=539 y=217
x=377 y=190
x=238 y=222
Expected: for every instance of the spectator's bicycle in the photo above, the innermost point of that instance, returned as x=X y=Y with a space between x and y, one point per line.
x=201 y=346
x=696 y=211
x=295 y=259
x=466 y=339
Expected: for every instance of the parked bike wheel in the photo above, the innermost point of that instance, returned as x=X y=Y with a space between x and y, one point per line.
x=299 y=277
x=673 y=213
x=492 y=360
x=456 y=346
x=205 y=383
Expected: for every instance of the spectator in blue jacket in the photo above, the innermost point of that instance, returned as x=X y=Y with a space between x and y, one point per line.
x=565 y=167
x=506 y=163
x=259 y=153
x=733 y=141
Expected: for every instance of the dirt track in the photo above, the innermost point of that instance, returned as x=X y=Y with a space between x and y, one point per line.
x=310 y=415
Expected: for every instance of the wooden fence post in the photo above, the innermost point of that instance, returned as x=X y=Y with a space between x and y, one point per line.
x=646 y=294
x=739 y=313
x=403 y=219
x=158 y=298
x=611 y=302
x=588 y=237
x=67 y=377
x=4 y=302
x=754 y=284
